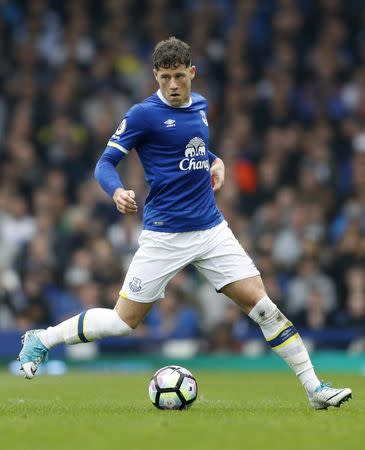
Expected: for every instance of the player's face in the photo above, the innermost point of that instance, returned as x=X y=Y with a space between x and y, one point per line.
x=175 y=84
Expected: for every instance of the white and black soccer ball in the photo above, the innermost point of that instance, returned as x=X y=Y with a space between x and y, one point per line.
x=173 y=387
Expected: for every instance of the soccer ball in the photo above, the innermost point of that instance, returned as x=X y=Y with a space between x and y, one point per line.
x=173 y=387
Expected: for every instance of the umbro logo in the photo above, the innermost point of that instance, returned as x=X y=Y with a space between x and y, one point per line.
x=286 y=332
x=170 y=123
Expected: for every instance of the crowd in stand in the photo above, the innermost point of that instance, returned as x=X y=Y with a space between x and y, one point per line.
x=285 y=81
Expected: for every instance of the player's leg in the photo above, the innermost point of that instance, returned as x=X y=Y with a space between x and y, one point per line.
x=97 y=323
x=88 y=326
x=153 y=265
x=249 y=294
x=231 y=271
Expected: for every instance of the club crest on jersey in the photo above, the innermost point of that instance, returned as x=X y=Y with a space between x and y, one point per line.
x=204 y=117
x=135 y=285
x=121 y=128
x=195 y=147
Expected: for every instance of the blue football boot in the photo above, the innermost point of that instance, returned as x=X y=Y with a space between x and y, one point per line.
x=32 y=353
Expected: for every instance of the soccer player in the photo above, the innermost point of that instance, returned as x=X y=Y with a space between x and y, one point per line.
x=181 y=225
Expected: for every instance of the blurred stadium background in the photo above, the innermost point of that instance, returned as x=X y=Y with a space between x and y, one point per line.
x=285 y=80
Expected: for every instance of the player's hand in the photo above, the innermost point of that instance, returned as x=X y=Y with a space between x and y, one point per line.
x=217 y=173
x=125 y=201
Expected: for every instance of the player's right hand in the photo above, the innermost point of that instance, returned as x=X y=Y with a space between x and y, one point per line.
x=125 y=201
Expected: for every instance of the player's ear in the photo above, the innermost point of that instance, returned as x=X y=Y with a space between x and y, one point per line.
x=155 y=73
x=192 y=72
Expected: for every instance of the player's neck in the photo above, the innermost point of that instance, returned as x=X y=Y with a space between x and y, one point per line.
x=163 y=99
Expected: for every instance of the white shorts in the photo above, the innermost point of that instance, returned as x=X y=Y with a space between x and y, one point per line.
x=216 y=253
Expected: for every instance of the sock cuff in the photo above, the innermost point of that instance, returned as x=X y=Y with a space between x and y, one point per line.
x=125 y=327
x=263 y=309
x=97 y=323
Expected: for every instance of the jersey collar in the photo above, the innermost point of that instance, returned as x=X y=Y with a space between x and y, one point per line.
x=163 y=100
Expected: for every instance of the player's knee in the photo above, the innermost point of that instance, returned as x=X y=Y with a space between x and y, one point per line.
x=257 y=295
x=251 y=299
x=132 y=320
x=254 y=291
x=246 y=293
x=249 y=290
x=130 y=312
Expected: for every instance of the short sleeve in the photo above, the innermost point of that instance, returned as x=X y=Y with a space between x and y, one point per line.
x=131 y=131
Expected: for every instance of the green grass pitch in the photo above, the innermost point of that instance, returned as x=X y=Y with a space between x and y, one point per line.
x=237 y=410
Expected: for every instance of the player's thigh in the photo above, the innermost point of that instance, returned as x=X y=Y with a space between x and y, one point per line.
x=131 y=312
x=226 y=263
x=152 y=267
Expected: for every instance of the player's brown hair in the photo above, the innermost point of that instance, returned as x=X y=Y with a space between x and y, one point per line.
x=171 y=53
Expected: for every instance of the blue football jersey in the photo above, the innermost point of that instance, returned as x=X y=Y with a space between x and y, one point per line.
x=173 y=146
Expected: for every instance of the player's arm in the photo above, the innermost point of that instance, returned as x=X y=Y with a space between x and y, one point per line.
x=109 y=180
x=216 y=171
x=130 y=133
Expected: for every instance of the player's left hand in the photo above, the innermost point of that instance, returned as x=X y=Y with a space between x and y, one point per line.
x=217 y=173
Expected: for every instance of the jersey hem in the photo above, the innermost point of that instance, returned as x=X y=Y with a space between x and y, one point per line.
x=185 y=229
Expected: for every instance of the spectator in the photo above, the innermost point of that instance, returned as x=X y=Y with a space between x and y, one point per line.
x=310 y=289
x=286 y=89
x=12 y=300
x=172 y=319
